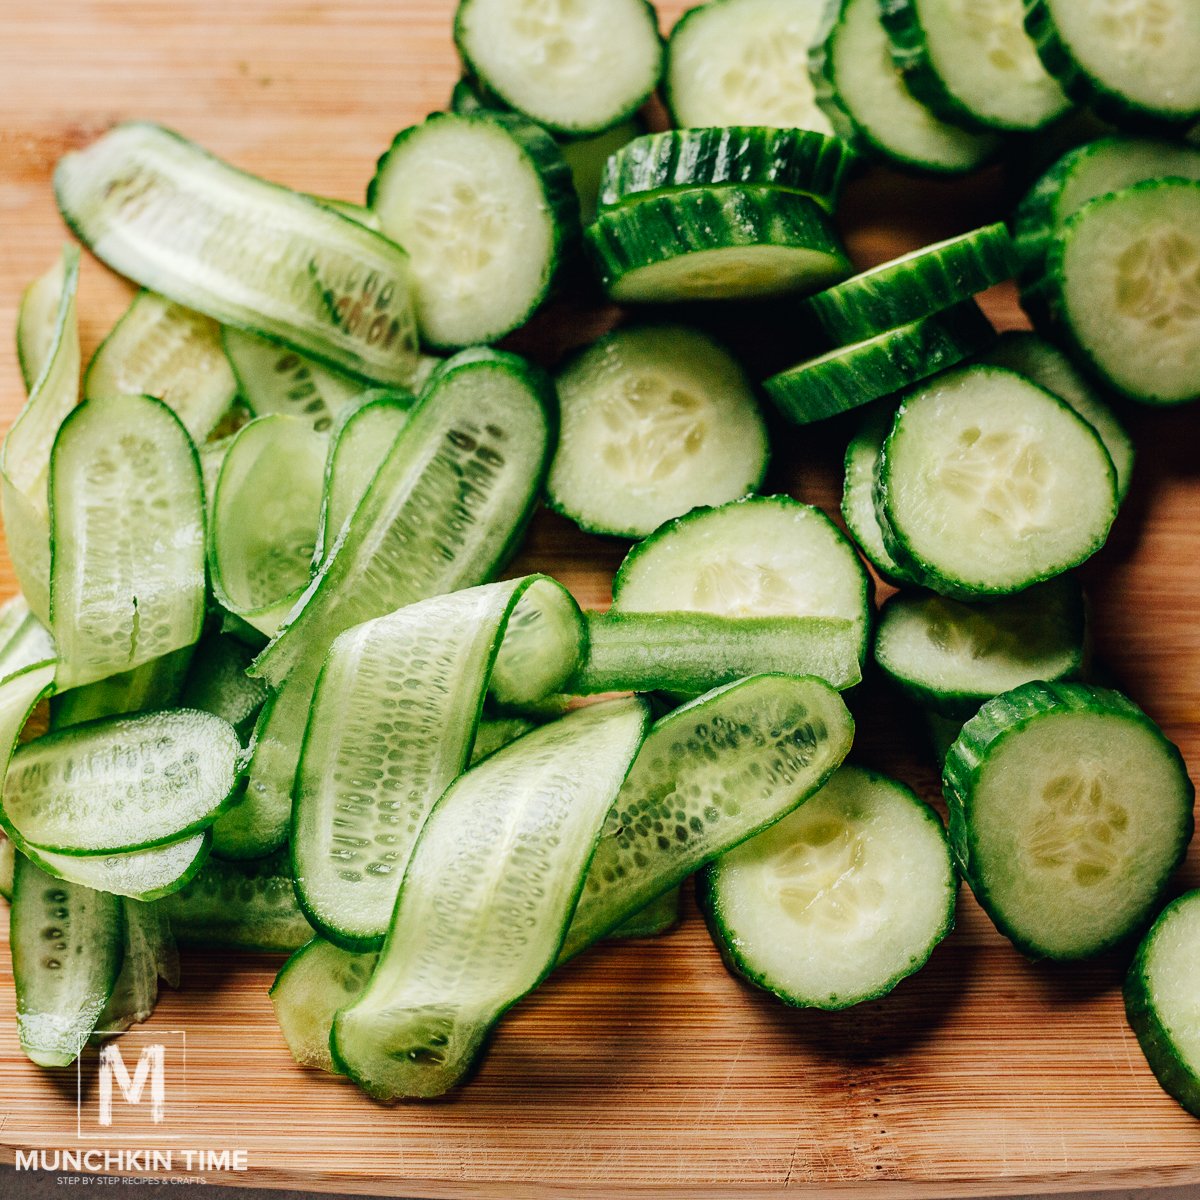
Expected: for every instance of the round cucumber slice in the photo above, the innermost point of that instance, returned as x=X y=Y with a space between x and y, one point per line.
x=840 y=900
x=653 y=422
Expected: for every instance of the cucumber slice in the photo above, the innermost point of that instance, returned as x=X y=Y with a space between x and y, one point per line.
x=153 y=685
x=160 y=210
x=521 y=826
x=742 y=62
x=1129 y=62
x=149 y=952
x=355 y=824
x=1160 y=1000
x=989 y=484
x=485 y=206
x=973 y=63
x=864 y=371
x=866 y=102
x=217 y=683
x=723 y=243
x=710 y=775
x=1049 y=367
x=127 y=529
x=654 y=421
x=139 y=875
x=764 y=556
x=916 y=285
x=164 y=350
x=66 y=948
x=952 y=657
x=40 y=316
x=573 y=68
x=494 y=733
x=24 y=640
x=587 y=159
x=658 y=917
x=793 y=160
x=360 y=214
x=8 y=854
x=840 y=900
x=1069 y=810
x=694 y=652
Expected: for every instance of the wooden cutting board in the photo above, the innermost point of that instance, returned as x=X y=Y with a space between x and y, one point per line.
x=640 y=1067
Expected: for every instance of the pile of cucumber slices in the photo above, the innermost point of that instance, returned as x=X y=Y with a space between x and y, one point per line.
x=297 y=700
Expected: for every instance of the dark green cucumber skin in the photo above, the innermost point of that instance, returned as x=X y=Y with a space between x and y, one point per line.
x=795 y=160
x=1003 y=717
x=1178 y=1078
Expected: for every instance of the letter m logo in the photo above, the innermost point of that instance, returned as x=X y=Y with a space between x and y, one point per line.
x=150 y=1068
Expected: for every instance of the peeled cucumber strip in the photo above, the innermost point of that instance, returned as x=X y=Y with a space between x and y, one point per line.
x=8 y=854
x=864 y=98
x=575 y=69
x=486 y=209
x=217 y=682
x=24 y=640
x=694 y=652
x=49 y=351
x=973 y=64
x=839 y=901
x=164 y=350
x=919 y=284
x=1160 y=1000
x=653 y=422
x=494 y=733
x=182 y=223
x=1069 y=811
x=149 y=953
x=723 y=243
x=1130 y=63
x=951 y=656
x=857 y=374
x=742 y=62
x=658 y=917
x=486 y=900
x=392 y=725
x=138 y=875
x=66 y=947
x=793 y=160
x=153 y=685
x=989 y=484
x=710 y=775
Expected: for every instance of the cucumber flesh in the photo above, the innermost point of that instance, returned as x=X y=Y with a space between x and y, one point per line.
x=494 y=733
x=138 y=875
x=24 y=640
x=153 y=685
x=656 y=918
x=8 y=855
x=149 y=953
x=217 y=683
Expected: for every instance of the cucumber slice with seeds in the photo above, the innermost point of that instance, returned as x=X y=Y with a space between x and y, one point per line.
x=653 y=422
x=139 y=875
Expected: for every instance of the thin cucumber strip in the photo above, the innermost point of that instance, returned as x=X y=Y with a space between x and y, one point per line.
x=154 y=685
x=486 y=899
x=253 y=825
x=182 y=223
x=51 y=356
x=24 y=640
x=360 y=214
x=653 y=422
x=393 y=721
x=494 y=733
x=694 y=652
x=150 y=953
x=865 y=371
x=727 y=243
x=217 y=683
x=164 y=350
x=656 y=918
x=793 y=160
x=265 y=515
x=839 y=901
x=8 y=857
x=66 y=948
x=710 y=775
x=1069 y=810
x=127 y=578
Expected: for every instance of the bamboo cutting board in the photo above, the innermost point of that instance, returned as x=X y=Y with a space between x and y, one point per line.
x=641 y=1067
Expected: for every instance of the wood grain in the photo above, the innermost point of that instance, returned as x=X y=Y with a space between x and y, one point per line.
x=639 y=1068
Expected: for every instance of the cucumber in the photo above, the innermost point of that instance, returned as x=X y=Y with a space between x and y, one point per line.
x=149 y=953
x=1069 y=810
x=486 y=208
x=1160 y=1000
x=764 y=556
x=43 y=320
x=164 y=350
x=494 y=733
x=360 y=214
x=486 y=900
x=654 y=421
x=916 y=285
x=952 y=657
x=170 y=216
x=8 y=855
x=154 y=685
x=864 y=371
x=988 y=484
x=742 y=62
x=1129 y=62
x=217 y=683
x=66 y=948
x=138 y=875
x=973 y=63
x=658 y=917
x=392 y=725
x=573 y=68
x=942 y=733
x=839 y=901
x=726 y=243
x=792 y=160
x=127 y=533
x=710 y=775
x=865 y=100
x=24 y=640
